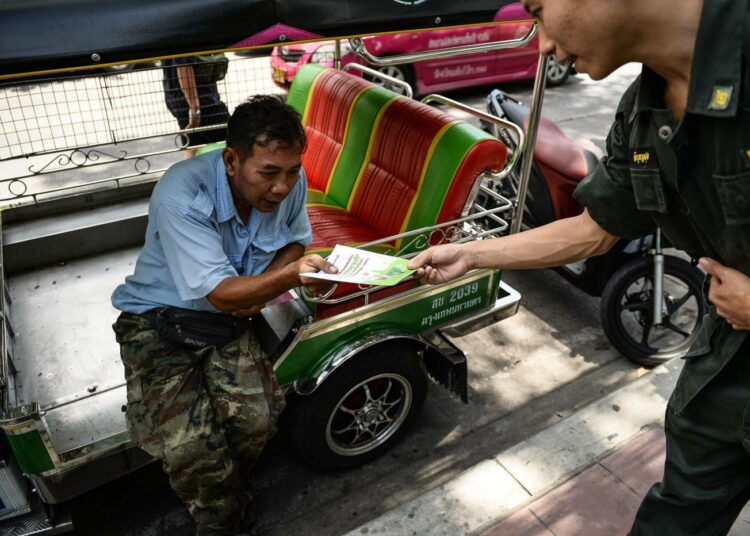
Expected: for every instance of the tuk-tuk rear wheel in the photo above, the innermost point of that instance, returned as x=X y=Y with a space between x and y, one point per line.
x=361 y=410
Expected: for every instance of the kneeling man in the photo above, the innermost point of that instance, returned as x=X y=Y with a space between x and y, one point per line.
x=226 y=233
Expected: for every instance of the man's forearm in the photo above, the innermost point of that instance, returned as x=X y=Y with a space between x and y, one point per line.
x=186 y=79
x=286 y=255
x=243 y=292
x=554 y=244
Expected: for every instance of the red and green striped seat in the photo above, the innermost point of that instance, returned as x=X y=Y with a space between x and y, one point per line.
x=379 y=164
x=333 y=112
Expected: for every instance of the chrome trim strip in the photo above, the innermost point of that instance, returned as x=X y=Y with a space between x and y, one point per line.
x=483 y=318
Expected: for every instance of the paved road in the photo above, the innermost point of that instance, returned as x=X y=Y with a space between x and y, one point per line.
x=526 y=373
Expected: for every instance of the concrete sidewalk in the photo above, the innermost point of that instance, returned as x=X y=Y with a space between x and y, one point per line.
x=584 y=476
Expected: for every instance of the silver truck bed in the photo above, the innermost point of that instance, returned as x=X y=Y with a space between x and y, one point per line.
x=66 y=355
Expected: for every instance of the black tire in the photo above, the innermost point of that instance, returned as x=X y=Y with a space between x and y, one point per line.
x=557 y=73
x=329 y=438
x=627 y=305
x=400 y=72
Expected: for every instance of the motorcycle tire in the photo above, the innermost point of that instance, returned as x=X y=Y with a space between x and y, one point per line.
x=622 y=311
x=361 y=410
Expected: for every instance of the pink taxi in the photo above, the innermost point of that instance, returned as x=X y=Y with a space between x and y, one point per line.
x=434 y=75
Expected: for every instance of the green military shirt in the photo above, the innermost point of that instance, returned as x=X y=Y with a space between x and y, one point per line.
x=691 y=179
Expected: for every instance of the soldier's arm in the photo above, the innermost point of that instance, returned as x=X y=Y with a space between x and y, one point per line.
x=557 y=243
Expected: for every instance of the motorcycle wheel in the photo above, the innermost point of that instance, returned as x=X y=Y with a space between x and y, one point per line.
x=627 y=310
x=361 y=410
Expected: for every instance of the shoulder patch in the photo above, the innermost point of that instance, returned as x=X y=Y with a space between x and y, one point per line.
x=720 y=98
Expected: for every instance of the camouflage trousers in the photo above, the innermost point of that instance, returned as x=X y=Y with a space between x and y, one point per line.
x=206 y=414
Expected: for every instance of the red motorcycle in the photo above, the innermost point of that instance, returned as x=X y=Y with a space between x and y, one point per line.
x=651 y=302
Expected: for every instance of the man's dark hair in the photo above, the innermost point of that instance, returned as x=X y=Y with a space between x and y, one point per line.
x=264 y=119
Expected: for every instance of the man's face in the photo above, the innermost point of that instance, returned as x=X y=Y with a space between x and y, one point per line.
x=264 y=179
x=587 y=32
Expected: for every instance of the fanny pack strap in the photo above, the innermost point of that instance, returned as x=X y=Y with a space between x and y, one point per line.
x=196 y=329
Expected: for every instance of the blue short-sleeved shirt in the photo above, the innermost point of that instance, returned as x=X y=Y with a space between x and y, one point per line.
x=195 y=239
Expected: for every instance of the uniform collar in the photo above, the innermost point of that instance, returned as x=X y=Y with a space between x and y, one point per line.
x=225 y=209
x=716 y=72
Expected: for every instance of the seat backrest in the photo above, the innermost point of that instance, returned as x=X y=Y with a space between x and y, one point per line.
x=338 y=112
x=420 y=169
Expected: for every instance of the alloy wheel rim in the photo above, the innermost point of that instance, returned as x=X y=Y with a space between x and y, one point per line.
x=368 y=414
x=639 y=304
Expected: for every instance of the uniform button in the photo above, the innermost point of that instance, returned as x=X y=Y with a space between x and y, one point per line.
x=242 y=231
x=665 y=132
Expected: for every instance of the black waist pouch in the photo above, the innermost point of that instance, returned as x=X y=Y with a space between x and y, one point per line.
x=196 y=329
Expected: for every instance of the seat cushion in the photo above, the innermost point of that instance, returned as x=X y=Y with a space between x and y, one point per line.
x=334 y=225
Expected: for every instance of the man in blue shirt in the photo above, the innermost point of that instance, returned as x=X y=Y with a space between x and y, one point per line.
x=226 y=233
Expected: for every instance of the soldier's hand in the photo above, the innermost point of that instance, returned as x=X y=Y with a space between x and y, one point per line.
x=314 y=263
x=440 y=264
x=729 y=292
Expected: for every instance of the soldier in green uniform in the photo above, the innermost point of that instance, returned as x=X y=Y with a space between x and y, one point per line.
x=678 y=157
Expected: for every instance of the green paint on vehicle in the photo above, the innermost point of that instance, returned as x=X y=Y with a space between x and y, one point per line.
x=30 y=452
x=411 y=315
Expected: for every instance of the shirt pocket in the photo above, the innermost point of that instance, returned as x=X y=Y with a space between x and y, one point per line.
x=649 y=190
x=266 y=245
x=734 y=197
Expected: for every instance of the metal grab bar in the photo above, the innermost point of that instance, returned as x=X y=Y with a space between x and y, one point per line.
x=409 y=92
x=510 y=164
x=458 y=231
x=359 y=48
x=535 y=115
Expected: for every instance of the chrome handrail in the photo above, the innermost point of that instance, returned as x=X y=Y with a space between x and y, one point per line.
x=361 y=50
x=377 y=74
x=456 y=232
x=510 y=164
x=535 y=115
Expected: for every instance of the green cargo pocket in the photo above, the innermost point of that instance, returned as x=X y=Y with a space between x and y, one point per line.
x=649 y=190
x=734 y=196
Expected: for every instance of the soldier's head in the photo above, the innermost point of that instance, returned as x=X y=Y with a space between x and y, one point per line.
x=265 y=141
x=602 y=35
x=588 y=33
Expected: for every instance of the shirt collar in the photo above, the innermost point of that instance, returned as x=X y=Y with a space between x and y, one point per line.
x=225 y=209
x=716 y=71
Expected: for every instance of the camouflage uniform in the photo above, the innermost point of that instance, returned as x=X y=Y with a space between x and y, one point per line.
x=206 y=414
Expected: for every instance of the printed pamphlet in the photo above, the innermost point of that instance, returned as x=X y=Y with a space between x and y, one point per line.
x=364 y=267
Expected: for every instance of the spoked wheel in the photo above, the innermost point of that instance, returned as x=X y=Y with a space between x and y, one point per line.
x=628 y=317
x=369 y=414
x=361 y=410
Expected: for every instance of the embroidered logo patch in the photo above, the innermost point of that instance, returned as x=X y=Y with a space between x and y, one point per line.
x=643 y=158
x=721 y=97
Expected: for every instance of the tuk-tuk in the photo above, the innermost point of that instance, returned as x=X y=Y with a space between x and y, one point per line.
x=85 y=137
